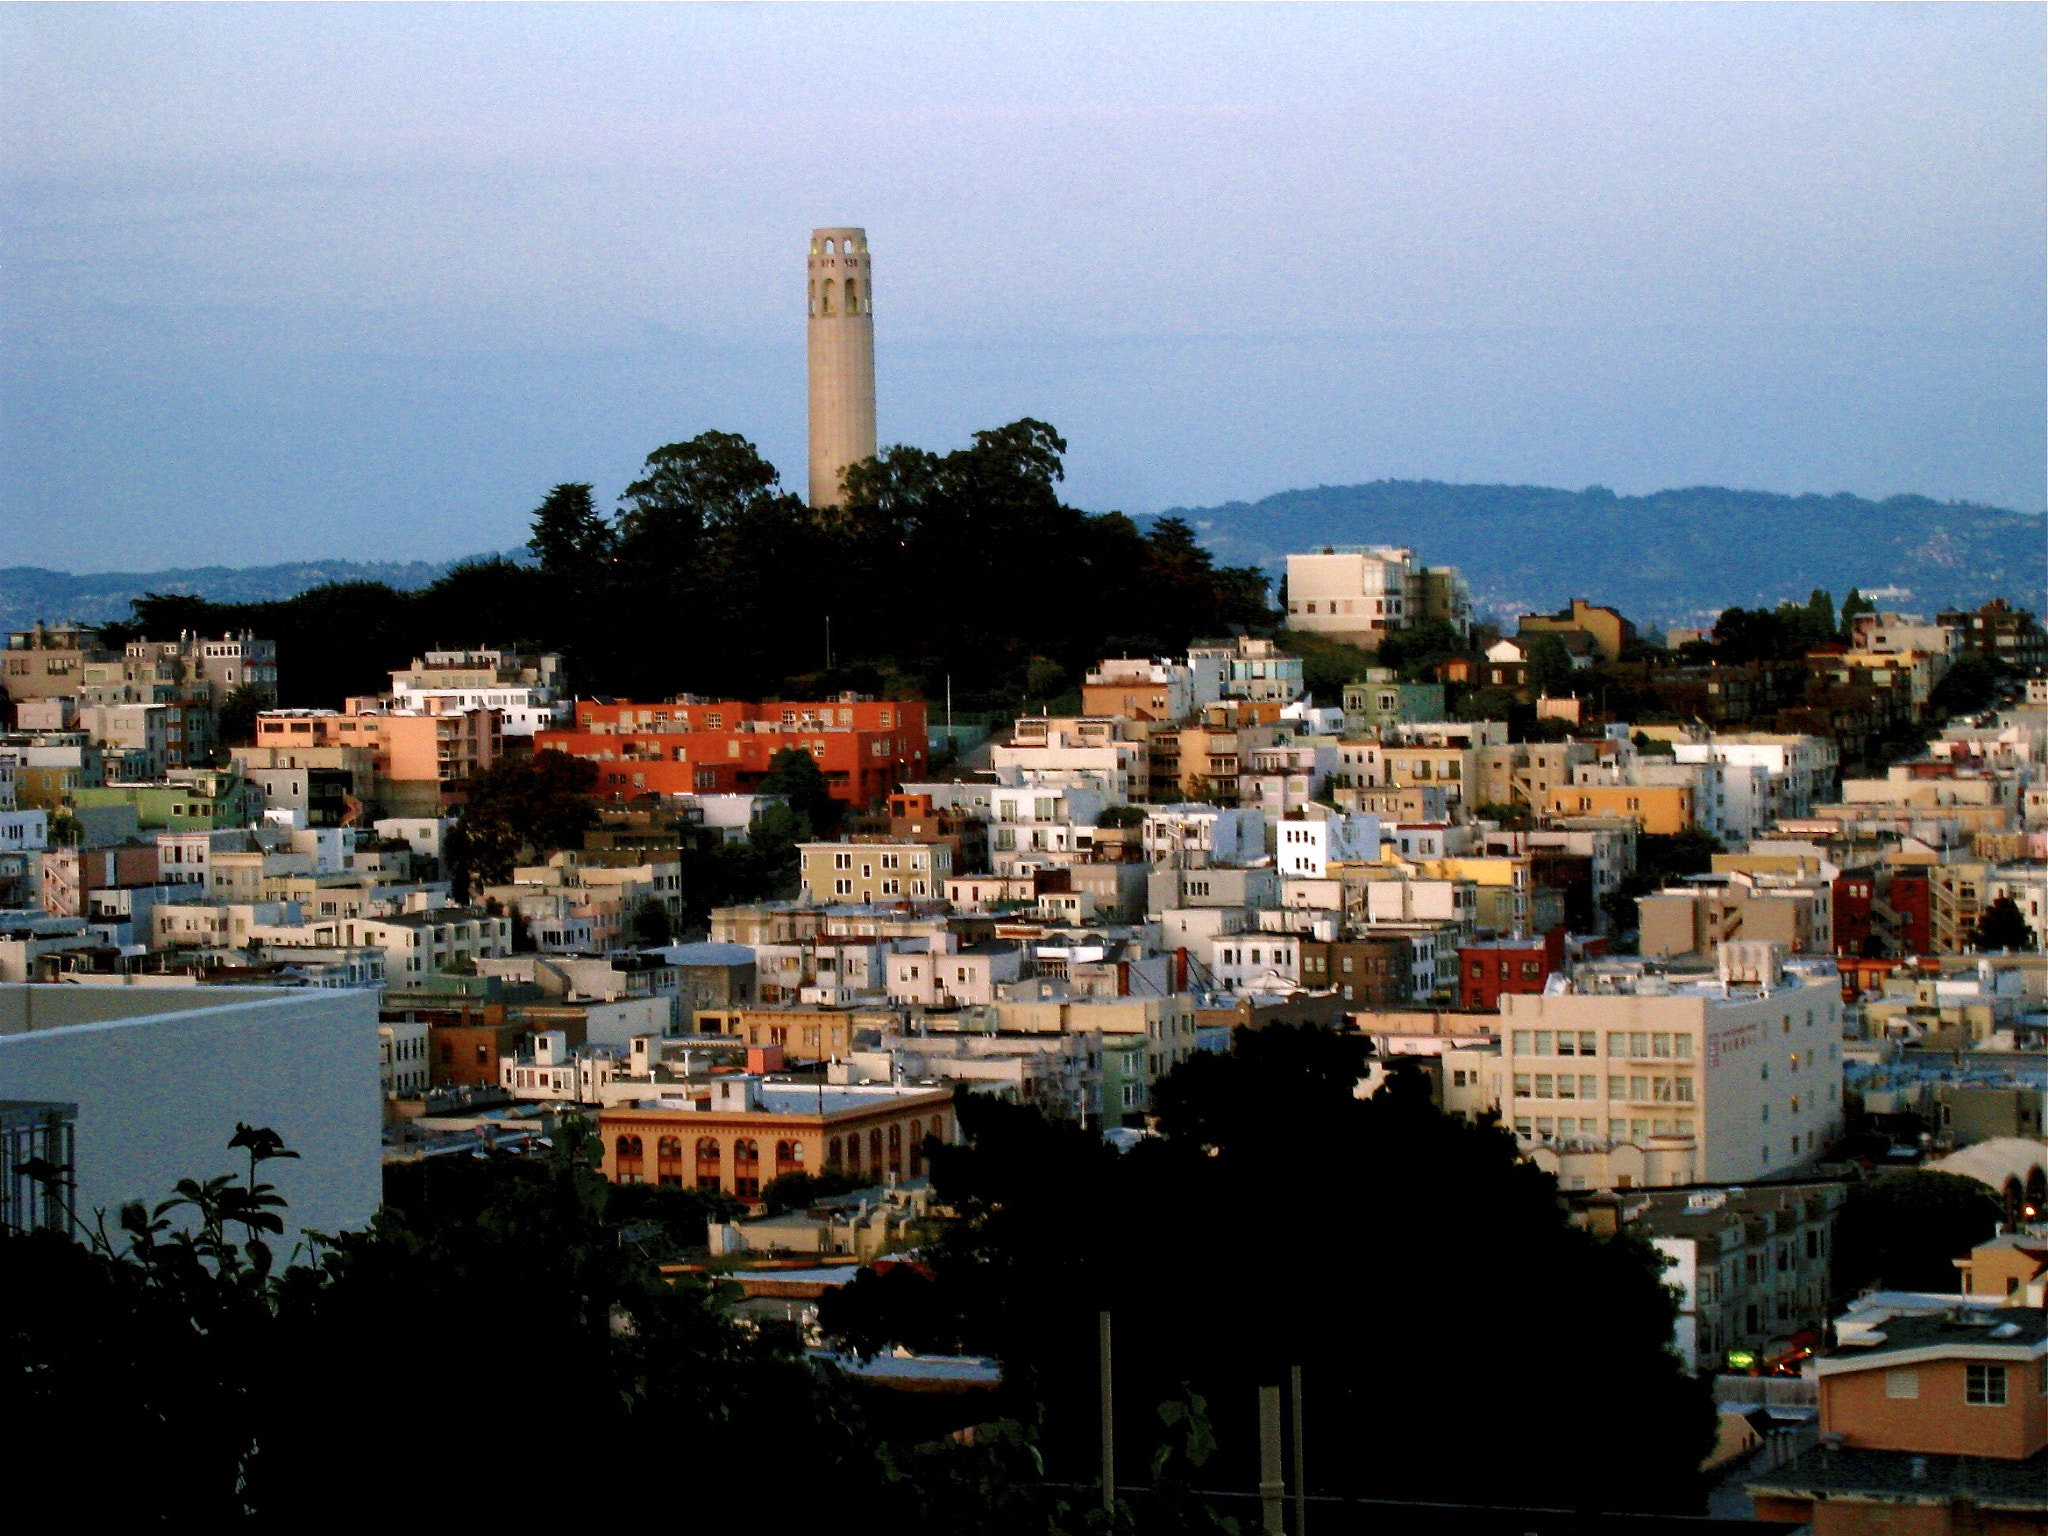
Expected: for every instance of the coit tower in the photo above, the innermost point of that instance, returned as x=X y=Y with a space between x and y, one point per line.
x=842 y=331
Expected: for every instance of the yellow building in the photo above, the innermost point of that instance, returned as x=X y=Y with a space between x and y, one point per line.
x=1658 y=808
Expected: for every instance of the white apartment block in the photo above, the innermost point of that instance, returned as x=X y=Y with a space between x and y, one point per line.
x=1890 y=634
x=1798 y=774
x=416 y=945
x=1634 y=1078
x=1255 y=962
x=1306 y=847
x=525 y=690
x=24 y=831
x=154 y=1080
x=1253 y=669
x=1287 y=775
x=1198 y=836
x=1155 y=690
x=2026 y=886
x=1075 y=752
x=1043 y=826
x=966 y=977
x=402 y=1066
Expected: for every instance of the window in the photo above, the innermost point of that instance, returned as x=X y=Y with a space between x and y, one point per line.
x=842 y=861
x=1984 y=1386
x=746 y=1168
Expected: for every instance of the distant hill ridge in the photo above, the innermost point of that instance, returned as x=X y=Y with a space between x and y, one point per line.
x=32 y=592
x=1672 y=557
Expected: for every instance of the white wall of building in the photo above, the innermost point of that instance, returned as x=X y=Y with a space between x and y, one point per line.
x=161 y=1079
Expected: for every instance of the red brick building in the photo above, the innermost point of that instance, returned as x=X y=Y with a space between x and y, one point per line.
x=1489 y=968
x=864 y=747
x=1911 y=897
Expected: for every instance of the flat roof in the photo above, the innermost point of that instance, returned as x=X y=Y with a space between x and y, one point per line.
x=1910 y=1477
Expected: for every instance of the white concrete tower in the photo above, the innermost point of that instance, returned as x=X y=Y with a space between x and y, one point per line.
x=842 y=331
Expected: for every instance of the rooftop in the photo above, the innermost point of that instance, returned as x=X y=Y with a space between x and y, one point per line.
x=1985 y=1331
x=1908 y=1477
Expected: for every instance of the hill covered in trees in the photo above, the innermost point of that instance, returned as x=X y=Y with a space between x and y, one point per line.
x=1676 y=557
x=712 y=578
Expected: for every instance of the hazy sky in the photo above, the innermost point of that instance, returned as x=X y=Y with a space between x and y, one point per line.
x=285 y=282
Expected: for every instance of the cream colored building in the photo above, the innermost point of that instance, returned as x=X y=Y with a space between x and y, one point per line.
x=1362 y=593
x=1167 y=1023
x=1636 y=1077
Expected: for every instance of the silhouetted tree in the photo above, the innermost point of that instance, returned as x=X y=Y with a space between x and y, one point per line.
x=2003 y=926
x=1902 y=1231
x=1969 y=684
x=570 y=536
x=1051 y=1226
x=533 y=803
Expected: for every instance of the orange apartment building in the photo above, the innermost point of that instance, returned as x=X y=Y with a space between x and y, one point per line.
x=864 y=747
x=737 y=1134
x=1660 y=808
x=414 y=758
x=1930 y=1425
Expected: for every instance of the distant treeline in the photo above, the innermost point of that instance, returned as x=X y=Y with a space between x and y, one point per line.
x=711 y=578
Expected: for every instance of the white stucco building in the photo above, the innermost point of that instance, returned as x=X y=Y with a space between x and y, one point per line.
x=1636 y=1077
x=155 y=1081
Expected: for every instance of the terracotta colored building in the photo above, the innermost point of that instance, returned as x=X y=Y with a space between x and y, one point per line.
x=743 y=1132
x=1491 y=967
x=1929 y=1424
x=864 y=747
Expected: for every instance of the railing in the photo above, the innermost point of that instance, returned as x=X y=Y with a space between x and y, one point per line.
x=1767 y=1391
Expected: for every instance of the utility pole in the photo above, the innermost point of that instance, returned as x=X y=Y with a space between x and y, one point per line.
x=1108 y=1416
x=1272 y=1487
x=1300 y=1457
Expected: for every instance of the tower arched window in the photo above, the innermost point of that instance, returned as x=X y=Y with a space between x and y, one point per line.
x=831 y=247
x=813 y=299
x=852 y=297
x=825 y=297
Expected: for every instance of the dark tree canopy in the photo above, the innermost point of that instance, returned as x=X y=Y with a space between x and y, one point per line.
x=1397 y=1254
x=532 y=802
x=570 y=536
x=2003 y=926
x=1969 y=684
x=1903 y=1231
x=713 y=579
